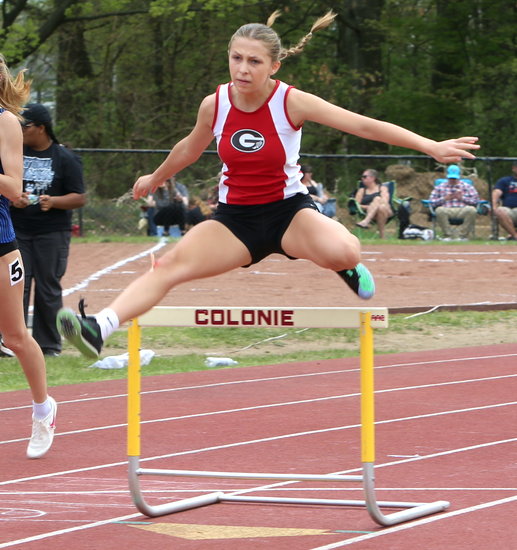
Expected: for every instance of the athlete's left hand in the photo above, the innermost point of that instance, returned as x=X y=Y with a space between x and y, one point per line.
x=454 y=150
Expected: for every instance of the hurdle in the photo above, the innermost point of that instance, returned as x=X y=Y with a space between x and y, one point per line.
x=365 y=319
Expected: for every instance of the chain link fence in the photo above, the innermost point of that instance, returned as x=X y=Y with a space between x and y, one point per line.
x=110 y=173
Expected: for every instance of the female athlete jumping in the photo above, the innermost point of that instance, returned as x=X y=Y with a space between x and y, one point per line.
x=263 y=208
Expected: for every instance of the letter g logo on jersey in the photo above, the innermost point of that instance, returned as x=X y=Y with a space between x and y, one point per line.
x=247 y=141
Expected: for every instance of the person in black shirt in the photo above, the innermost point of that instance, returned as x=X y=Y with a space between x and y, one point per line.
x=52 y=187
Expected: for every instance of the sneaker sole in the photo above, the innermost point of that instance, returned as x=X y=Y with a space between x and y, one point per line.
x=70 y=328
x=363 y=293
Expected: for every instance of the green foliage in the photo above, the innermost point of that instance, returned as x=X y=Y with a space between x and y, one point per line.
x=126 y=74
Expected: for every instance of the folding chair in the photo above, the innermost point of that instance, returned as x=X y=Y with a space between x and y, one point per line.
x=359 y=213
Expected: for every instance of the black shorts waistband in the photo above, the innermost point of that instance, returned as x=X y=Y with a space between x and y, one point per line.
x=5 y=248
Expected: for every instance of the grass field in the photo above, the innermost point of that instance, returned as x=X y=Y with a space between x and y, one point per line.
x=185 y=349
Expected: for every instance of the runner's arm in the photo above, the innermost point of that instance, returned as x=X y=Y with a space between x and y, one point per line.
x=303 y=106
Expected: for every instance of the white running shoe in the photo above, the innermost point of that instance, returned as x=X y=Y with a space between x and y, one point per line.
x=5 y=351
x=42 y=432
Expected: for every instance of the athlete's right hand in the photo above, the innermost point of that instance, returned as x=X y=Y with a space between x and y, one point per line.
x=144 y=185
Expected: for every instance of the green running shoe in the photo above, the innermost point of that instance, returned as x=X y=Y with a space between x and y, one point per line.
x=81 y=331
x=360 y=280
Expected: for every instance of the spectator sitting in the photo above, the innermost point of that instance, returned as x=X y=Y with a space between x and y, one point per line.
x=504 y=202
x=374 y=198
x=147 y=212
x=455 y=199
x=171 y=201
x=316 y=191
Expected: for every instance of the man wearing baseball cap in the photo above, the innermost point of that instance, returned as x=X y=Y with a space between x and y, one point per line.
x=52 y=187
x=504 y=202
x=455 y=199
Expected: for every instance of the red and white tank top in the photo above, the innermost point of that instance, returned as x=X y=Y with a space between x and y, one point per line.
x=259 y=150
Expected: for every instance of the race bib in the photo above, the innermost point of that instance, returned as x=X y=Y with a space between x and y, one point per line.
x=15 y=272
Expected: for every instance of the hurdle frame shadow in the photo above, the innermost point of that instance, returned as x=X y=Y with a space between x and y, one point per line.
x=365 y=319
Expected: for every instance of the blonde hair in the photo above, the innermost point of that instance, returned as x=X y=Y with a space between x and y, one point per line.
x=270 y=38
x=14 y=91
x=203 y=206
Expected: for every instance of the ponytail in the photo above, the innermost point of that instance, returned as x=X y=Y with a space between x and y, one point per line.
x=271 y=40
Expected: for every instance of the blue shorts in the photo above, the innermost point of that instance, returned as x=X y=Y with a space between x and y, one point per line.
x=261 y=227
x=5 y=248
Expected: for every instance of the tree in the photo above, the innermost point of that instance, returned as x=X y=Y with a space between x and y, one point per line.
x=131 y=74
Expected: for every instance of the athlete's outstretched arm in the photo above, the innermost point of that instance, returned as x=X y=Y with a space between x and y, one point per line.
x=303 y=106
x=183 y=154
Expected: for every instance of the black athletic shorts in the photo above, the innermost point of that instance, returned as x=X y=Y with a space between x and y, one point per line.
x=5 y=248
x=261 y=227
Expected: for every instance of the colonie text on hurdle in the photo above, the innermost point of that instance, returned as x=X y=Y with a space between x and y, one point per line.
x=246 y=317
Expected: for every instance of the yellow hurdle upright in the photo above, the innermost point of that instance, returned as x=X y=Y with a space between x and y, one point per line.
x=133 y=392
x=365 y=319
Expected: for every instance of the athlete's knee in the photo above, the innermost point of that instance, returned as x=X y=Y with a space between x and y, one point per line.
x=175 y=267
x=344 y=255
x=166 y=271
x=17 y=341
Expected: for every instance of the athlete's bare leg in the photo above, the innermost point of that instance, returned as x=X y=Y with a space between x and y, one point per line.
x=324 y=241
x=208 y=249
x=329 y=244
x=12 y=326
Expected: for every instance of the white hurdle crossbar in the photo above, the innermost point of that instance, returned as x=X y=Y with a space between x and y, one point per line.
x=365 y=319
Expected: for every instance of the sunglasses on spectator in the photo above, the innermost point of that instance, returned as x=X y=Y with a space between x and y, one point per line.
x=26 y=124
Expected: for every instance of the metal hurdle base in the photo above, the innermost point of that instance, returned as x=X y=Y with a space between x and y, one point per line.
x=306 y=317
x=410 y=510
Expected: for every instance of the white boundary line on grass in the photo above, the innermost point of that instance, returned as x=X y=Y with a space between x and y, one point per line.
x=116 y=265
x=98 y=274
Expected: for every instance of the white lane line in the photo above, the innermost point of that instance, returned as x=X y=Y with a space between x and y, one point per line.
x=277 y=378
x=418 y=522
x=69 y=530
x=290 y=403
x=125 y=492
x=268 y=440
x=494 y=253
x=349 y=541
x=98 y=274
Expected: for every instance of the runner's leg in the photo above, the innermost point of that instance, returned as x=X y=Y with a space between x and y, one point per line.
x=12 y=326
x=330 y=245
x=324 y=241
x=208 y=249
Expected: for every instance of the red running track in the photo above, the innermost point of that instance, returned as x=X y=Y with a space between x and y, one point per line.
x=445 y=431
